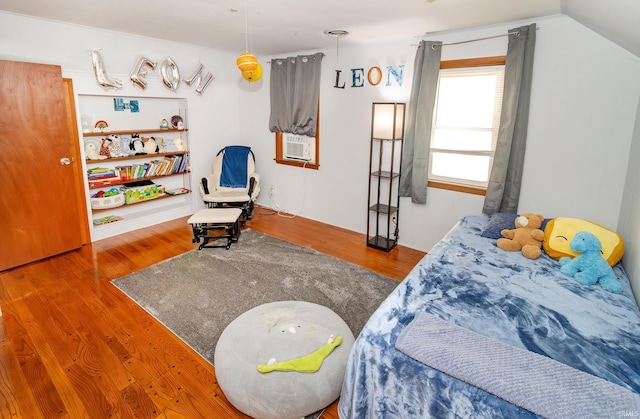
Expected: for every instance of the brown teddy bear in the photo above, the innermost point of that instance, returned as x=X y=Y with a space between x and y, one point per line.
x=526 y=237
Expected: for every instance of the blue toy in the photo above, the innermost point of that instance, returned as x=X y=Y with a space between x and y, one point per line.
x=589 y=267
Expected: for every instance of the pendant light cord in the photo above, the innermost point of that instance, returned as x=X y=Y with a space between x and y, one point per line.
x=246 y=26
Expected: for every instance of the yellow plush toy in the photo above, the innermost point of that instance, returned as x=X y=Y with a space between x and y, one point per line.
x=560 y=231
x=526 y=237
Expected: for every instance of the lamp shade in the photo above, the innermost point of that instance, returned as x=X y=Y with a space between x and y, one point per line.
x=388 y=121
x=253 y=75
x=247 y=62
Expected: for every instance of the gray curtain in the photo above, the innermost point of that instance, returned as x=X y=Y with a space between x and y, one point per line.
x=295 y=90
x=503 y=191
x=417 y=140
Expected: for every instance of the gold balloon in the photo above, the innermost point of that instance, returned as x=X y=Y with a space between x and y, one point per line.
x=247 y=62
x=254 y=75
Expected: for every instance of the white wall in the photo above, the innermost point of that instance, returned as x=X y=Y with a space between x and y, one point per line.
x=583 y=108
x=582 y=118
x=629 y=225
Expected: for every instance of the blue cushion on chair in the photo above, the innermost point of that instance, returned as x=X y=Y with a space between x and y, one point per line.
x=234 y=166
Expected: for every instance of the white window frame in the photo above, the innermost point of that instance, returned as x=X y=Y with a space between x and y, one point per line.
x=488 y=65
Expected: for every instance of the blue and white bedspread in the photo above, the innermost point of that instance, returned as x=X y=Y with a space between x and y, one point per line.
x=467 y=280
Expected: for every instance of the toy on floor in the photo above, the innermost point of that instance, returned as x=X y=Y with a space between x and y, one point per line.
x=526 y=237
x=589 y=267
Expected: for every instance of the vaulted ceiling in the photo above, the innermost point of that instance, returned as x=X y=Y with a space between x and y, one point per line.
x=284 y=26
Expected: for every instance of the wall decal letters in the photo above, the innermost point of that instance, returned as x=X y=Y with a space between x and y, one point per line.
x=357 y=77
x=392 y=71
x=337 y=85
x=378 y=76
x=373 y=77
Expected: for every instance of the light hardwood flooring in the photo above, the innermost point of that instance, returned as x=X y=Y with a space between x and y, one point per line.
x=74 y=346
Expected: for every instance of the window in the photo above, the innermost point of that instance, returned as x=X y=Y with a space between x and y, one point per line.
x=465 y=123
x=299 y=150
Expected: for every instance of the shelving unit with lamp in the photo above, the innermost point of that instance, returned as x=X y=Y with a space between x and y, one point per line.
x=385 y=160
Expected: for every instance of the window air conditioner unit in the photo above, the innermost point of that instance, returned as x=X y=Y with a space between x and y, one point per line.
x=297 y=147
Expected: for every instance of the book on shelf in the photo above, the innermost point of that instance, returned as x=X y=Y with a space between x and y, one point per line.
x=98 y=170
x=104 y=183
x=184 y=166
x=167 y=165
x=106 y=220
x=177 y=191
x=102 y=174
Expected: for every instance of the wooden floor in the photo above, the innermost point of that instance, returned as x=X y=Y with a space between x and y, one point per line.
x=74 y=346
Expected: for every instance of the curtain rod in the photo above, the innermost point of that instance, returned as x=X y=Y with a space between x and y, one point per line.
x=516 y=33
x=303 y=55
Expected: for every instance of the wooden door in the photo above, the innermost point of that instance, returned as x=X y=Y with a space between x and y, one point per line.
x=41 y=196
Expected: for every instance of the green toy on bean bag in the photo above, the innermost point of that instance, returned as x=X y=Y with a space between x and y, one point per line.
x=307 y=363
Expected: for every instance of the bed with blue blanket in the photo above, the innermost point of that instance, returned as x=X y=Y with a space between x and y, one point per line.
x=529 y=341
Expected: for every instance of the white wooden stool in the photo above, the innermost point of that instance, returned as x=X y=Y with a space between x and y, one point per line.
x=225 y=222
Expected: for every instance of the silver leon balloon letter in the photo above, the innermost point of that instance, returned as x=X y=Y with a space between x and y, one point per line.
x=195 y=74
x=139 y=73
x=200 y=81
x=170 y=74
x=102 y=77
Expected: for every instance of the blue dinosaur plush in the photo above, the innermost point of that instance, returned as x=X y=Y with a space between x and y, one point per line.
x=589 y=267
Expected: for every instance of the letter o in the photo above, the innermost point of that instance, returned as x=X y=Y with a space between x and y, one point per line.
x=370 y=78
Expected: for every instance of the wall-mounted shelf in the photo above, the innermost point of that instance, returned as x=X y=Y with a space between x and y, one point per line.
x=136 y=157
x=163 y=196
x=172 y=167
x=112 y=183
x=130 y=132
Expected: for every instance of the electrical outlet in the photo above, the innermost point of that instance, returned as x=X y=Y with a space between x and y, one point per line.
x=272 y=191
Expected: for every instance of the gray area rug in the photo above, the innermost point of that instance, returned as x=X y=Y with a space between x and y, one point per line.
x=197 y=294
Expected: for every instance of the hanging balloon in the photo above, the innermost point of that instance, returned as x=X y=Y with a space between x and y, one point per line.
x=170 y=74
x=203 y=83
x=200 y=81
x=247 y=62
x=139 y=73
x=193 y=77
x=253 y=76
x=102 y=77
